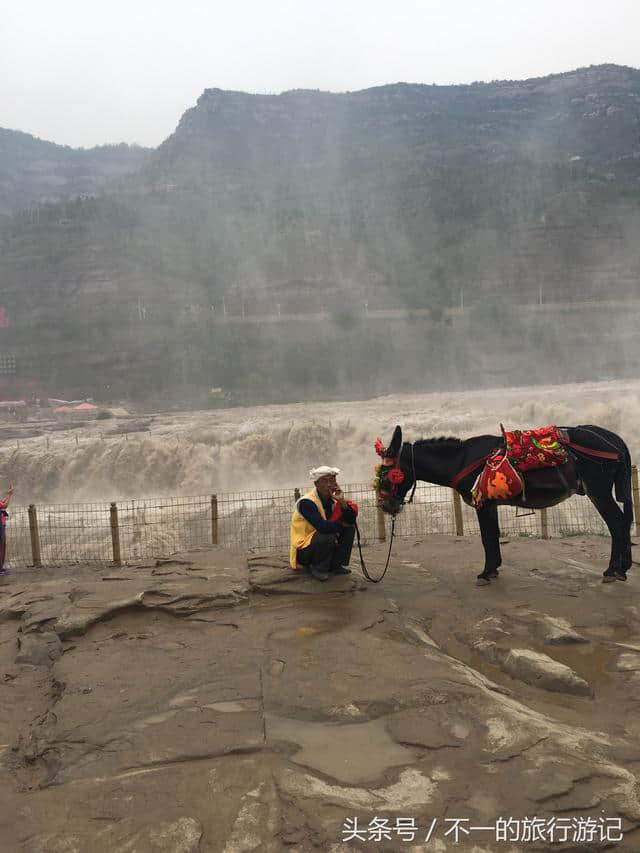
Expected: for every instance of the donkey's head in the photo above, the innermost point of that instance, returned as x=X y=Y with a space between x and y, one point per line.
x=393 y=477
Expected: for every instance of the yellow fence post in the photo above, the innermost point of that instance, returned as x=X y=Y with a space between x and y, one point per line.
x=214 y=519
x=457 y=513
x=115 y=535
x=636 y=497
x=35 y=536
x=544 y=523
x=382 y=533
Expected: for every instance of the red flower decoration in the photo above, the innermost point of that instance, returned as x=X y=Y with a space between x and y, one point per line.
x=379 y=447
x=395 y=476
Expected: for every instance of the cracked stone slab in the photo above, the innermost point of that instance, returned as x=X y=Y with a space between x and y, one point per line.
x=39 y=649
x=70 y=608
x=34 y=610
x=261 y=575
x=183 y=597
x=276 y=577
x=432 y=728
x=157 y=722
x=209 y=805
x=180 y=836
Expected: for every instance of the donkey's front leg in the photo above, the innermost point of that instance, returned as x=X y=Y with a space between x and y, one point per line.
x=490 y=533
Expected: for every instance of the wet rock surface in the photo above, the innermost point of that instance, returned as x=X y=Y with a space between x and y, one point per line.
x=558 y=631
x=545 y=672
x=219 y=702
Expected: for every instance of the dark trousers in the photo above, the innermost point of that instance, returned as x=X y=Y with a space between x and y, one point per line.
x=327 y=551
x=3 y=547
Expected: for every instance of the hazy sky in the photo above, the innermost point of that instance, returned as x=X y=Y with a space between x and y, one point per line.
x=78 y=72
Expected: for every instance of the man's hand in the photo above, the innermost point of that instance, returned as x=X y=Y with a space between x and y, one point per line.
x=338 y=495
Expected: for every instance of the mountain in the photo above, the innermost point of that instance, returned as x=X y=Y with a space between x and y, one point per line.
x=390 y=185
x=34 y=172
x=407 y=197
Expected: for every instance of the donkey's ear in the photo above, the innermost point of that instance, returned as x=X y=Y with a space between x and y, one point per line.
x=393 y=451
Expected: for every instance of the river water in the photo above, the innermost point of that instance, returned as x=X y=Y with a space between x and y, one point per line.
x=271 y=447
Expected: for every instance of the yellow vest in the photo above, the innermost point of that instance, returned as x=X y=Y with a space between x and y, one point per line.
x=301 y=532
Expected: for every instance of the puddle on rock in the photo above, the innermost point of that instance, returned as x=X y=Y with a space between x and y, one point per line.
x=620 y=633
x=335 y=603
x=303 y=632
x=234 y=707
x=353 y=753
x=589 y=661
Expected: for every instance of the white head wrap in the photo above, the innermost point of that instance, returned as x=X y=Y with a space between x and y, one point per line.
x=323 y=471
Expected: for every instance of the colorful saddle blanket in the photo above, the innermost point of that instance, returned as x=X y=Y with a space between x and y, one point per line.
x=536 y=448
x=524 y=450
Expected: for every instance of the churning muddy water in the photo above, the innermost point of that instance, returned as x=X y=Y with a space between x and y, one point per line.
x=271 y=447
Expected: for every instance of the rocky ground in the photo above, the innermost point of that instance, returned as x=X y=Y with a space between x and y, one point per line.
x=219 y=702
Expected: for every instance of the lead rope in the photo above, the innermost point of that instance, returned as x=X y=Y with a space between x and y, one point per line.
x=393 y=528
x=362 y=563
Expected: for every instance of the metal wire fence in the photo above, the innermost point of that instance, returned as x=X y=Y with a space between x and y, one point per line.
x=134 y=530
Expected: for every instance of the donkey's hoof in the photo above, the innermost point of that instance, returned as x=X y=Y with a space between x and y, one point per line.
x=482 y=581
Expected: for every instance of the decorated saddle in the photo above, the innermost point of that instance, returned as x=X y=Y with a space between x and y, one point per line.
x=523 y=450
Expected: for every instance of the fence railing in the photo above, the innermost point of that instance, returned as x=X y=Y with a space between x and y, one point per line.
x=133 y=530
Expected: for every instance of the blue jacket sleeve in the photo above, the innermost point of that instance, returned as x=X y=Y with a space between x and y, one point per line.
x=310 y=511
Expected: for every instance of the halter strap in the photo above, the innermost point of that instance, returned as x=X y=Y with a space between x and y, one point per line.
x=413 y=471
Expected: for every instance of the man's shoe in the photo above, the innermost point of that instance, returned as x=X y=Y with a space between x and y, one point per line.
x=319 y=575
x=342 y=570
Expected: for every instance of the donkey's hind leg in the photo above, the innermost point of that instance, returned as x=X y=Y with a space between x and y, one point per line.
x=616 y=522
x=490 y=534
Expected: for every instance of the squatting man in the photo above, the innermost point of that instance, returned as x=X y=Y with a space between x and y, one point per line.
x=323 y=527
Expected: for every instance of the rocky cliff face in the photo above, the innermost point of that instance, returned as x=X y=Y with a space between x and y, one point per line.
x=595 y=109
x=405 y=197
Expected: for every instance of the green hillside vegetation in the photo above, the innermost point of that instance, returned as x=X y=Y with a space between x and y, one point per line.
x=33 y=171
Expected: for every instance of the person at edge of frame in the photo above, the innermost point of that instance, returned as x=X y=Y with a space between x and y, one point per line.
x=323 y=527
x=4 y=503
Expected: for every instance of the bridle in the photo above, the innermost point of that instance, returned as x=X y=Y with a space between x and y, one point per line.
x=413 y=472
x=394 y=463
